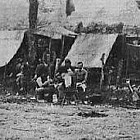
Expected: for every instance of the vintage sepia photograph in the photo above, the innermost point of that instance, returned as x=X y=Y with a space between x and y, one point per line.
x=70 y=70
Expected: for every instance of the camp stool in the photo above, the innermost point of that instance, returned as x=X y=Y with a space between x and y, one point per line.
x=69 y=94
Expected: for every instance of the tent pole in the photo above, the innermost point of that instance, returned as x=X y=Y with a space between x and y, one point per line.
x=102 y=70
x=62 y=50
x=49 y=65
x=50 y=44
x=123 y=50
x=102 y=78
x=4 y=75
x=137 y=33
x=127 y=62
x=58 y=60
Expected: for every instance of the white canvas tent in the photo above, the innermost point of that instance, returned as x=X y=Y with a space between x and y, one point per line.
x=10 y=42
x=88 y=48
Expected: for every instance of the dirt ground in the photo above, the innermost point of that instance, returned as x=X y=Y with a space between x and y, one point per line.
x=41 y=121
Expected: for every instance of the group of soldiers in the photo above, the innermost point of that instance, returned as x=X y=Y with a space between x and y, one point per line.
x=50 y=79
x=66 y=77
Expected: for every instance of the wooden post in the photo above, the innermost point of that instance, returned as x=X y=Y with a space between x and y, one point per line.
x=57 y=64
x=62 y=50
x=124 y=51
x=50 y=44
x=49 y=57
x=102 y=78
x=127 y=62
x=102 y=70
x=4 y=75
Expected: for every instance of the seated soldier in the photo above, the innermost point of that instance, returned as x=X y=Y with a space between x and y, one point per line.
x=41 y=68
x=65 y=74
x=20 y=82
x=45 y=88
x=44 y=83
x=81 y=78
x=23 y=78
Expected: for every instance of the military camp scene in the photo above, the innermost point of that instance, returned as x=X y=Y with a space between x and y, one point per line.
x=70 y=70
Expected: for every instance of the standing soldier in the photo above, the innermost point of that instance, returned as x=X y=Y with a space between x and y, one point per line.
x=81 y=80
x=49 y=58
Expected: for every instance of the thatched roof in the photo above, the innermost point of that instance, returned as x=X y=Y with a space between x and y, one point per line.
x=9 y=43
x=89 y=48
x=54 y=31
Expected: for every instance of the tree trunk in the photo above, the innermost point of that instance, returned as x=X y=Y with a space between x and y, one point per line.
x=33 y=11
x=69 y=7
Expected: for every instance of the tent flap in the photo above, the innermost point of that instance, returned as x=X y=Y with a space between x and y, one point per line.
x=133 y=56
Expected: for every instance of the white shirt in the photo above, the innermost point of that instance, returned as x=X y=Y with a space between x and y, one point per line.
x=39 y=81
